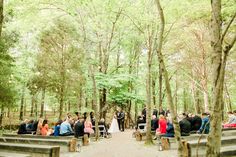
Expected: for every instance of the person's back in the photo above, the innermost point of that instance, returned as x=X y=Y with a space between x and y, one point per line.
x=232 y=119
x=170 y=130
x=196 y=123
x=205 y=127
x=162 y=125
x=66 y=129
x=22 y=129
x=44 y=130
x=154 y=123
x=185 y=127
x=79 y=129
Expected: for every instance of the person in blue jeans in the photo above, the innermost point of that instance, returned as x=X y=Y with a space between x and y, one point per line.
x=205 y=127
x=57 y=128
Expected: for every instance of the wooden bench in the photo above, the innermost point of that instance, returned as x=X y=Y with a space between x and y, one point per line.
x=36 y=136
x=7 y=154
x=227 y=143
x=33 y=150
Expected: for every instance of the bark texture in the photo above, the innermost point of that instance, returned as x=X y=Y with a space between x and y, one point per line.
x=166 y=80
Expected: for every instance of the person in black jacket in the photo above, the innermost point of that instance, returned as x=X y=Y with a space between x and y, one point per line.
x=196 y=123
x=79 y=127
x=22 y=128
x=154 y=123
x=185 y=126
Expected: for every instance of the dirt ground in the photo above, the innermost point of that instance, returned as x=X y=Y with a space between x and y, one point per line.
x=120 y=145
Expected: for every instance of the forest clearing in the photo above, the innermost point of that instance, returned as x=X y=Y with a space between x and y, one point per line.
x=117 y=78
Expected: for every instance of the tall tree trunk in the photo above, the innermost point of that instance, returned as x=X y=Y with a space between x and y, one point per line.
x=176 y=93
x=32 y=105
x=36 y=107
x=1 y=16
x=160 y=88
x=228 y=98
x=25 y=108
x=22 y=102
x=1 y=115
x=154 y=89
x=42 y=103
x=95 y=104
x=214 y=138
x=185 y=101
x=149 y=98
x=61 y=103
x=167 y=83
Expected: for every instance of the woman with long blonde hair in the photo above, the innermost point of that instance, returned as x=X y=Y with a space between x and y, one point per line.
x=39 y=126
x=88 y=126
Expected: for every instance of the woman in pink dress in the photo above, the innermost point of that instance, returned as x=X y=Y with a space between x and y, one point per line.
x=88 y=126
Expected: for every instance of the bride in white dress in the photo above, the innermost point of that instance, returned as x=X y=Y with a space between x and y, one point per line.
x=114 y=125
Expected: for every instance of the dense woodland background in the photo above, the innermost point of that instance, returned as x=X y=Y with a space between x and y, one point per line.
x=51 y=49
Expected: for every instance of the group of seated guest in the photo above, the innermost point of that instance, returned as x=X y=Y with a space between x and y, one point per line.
x=188 y=123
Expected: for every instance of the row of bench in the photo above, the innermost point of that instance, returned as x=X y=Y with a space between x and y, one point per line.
x=228 y=142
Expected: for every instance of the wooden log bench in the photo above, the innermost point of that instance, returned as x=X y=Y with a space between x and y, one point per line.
x=65 y=144
x=36 y=136
x=7 y=154
x=31 y=149
x=227 y=146
x=193 y=137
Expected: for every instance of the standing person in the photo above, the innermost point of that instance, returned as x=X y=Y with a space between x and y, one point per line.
x=114 y=128
x=144 y=113
x=155 y=111
x=121 y=120
x=44 y=128
x=88 y=126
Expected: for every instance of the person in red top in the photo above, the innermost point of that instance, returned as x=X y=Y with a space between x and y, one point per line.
x=44 y=129
x=162 y=127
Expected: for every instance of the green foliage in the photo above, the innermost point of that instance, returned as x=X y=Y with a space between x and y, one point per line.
x=7 y=80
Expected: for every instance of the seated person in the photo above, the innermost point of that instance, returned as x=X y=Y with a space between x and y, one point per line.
x=162 y=127
x=205 y=127
x=44 y=129
x=185 y=125
x=231 y=121
x=102 y=122
x=34 y=126
x=79 y=127
x=88 y=126
x=66 y=129
x=29 y=126
x=22 y=128
x=57 y=128
x=170 y=130
x=196 y=123
x=154 y=123
x=140 y=120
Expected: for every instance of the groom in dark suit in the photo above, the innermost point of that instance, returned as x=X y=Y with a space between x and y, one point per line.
x=121 y=120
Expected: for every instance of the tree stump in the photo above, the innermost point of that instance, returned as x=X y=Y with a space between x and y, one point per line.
x=85 y=140
x=165 y=143
x=186 y=149
x=73 y=145
x=138 y=136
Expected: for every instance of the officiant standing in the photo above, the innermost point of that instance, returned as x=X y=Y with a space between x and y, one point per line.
x=121 y=120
